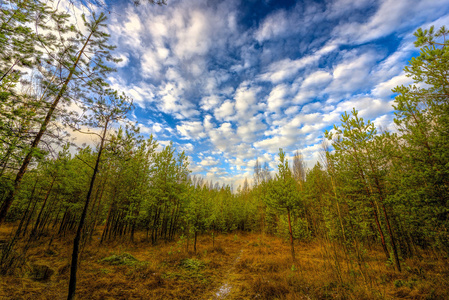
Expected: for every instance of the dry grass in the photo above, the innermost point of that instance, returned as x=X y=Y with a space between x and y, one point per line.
x=241 y=266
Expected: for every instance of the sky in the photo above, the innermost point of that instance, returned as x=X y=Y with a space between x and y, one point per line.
x=232 y=81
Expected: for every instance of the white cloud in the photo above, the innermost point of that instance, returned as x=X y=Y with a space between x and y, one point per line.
x=191 y=130
x=210 y=102
x=224 y=111
x=352 y=73
x=248 y=130
x=124 y=60
x=209 y=161
x=367 y=107
x=245 y=100
x=317 y=80
x=274 y=25
x=383 y=89
x=286 y=68
x=391 y=15
x=277 y=97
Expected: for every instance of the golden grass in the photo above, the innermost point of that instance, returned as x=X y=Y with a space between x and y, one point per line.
x=240 y=266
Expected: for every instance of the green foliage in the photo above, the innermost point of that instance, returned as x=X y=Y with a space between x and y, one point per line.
x=192 y=264
x=421 y=169
x=282 y=192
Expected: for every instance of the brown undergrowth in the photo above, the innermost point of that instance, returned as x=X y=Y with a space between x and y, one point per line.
x=245 y=266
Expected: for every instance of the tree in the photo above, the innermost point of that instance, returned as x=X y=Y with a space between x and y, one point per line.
x=355 y=144
x=283 y=195
x=108 y=108
x=18 y=37
x=20 y=110
x=421 y=158
x=64 y=65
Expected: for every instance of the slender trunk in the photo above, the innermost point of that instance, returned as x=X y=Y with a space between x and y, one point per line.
x=57 y=217
x=291 y=236
x=5 y=160
x=22 y=220
x=27 y=223
x=9 y=70
x=94 y=225
x=76 y=242
x=154 y=231
x=379 y=228
x=340 y=219
x=387 y=221
x=194 y=243
x=376 y=216
x=393 y=242
x=63 y=221
x=38 y=220
x=106 y=228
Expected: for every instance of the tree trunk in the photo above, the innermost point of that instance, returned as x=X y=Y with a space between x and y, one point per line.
x=393 y=242
x=194 y=243
x=291 y=236
x=379 y=228
x=76 y=242
x=38 y=220
x=27 y=211
x=27 y=223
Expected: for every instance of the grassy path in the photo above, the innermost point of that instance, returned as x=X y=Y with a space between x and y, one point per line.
x=227 y=286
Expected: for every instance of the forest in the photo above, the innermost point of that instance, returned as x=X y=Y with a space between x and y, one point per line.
x=126 y=219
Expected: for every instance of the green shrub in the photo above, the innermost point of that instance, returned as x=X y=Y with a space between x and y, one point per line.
x=122 y=259
x=192 y=264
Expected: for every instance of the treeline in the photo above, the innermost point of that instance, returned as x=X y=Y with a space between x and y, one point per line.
x=137 y=189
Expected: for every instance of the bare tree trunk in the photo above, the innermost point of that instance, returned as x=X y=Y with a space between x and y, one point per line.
x=393 y=242
x=27 y=211
x=379 y=228
x=76 y=242
x=38 y=220
x=194 y=243
x=291 y=236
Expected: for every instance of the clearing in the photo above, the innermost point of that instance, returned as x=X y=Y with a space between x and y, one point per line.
x=238 y=266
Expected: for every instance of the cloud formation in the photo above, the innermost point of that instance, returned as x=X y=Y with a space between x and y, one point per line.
x=232 y=81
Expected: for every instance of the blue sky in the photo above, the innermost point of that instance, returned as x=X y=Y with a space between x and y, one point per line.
x=232 y=81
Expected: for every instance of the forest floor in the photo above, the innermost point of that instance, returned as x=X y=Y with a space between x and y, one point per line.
x=237 y=266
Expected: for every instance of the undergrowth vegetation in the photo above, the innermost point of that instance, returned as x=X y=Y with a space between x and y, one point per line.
x=240 y=265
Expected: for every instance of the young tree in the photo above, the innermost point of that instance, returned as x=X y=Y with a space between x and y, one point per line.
x=355 y=144
x=283 y=195
x=107 y=108
x=422 y=156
